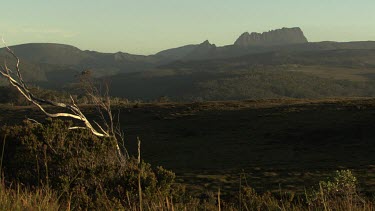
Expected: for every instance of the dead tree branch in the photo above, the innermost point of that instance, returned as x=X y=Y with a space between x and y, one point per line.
x=72 y=110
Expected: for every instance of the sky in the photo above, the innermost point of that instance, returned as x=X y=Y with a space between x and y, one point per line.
x=149 y=26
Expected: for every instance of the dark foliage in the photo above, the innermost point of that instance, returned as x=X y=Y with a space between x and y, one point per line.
x=79 y=166
x=254 y=83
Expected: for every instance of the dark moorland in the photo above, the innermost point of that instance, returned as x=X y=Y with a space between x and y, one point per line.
x=277 y=144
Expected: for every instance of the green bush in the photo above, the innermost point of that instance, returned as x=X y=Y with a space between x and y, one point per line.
x=79 y=166
x=340 y=189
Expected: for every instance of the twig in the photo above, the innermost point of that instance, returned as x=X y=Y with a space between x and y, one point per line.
x=34 y=121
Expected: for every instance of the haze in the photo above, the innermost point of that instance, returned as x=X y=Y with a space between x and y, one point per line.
x=146 y=27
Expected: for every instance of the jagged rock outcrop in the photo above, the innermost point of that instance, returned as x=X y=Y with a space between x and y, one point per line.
x=206 y=45
x=282 y=36
x=205 y=50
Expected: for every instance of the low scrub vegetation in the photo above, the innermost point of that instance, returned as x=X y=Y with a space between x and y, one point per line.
x=235 y=84
x=48 y=166
x=78 y=166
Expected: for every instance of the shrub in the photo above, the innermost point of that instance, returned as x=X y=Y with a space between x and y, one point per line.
x=251 y=200
x=340 y=190
x=77 y=165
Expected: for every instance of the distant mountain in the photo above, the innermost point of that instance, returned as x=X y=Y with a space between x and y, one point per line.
x=282 y=36
x=49 y=53
x=203 y=50
x=233 y=51
x=60 y=54
x=275 y=40
x=59 y=64
x=348 y=58
x=56 y=65
x=32 y=72
x=176 y=53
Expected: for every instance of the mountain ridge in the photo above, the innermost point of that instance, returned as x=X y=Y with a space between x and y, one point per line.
x=58 y=63
x=286 y=38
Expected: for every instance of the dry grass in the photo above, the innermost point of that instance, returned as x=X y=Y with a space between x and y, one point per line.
x=20 y=198
x=44 y=199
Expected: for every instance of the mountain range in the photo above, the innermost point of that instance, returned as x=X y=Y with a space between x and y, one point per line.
x=56 y=65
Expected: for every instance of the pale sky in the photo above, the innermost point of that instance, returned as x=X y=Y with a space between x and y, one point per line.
x=149 y=26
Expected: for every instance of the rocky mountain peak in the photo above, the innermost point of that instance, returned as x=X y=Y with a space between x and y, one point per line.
x=274 y=37
x=207 y=44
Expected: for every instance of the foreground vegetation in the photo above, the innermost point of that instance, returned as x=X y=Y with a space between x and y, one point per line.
x=338 y=193
x=48 y=166
x=332 y=195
